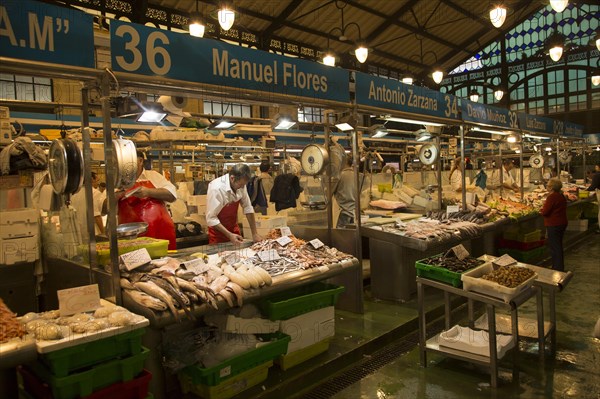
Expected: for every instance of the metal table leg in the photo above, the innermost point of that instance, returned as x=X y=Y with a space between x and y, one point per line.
x=540 y=322
x=491 y=313
x=515 y=333
x=422 y=324
x=551 y=300
x=447 y=309
x=471 y=313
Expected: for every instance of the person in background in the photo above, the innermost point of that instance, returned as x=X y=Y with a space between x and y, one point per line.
x=507 y=179
x=259 y=188
x=97 y=200
x=468 y=164
x=102 y=187
x=455 y=176
x=79 y=203
x=224 y=195
x=145 y=202
x=265 y=177
x=595 y=186
x=554 y=212
x=345 y=195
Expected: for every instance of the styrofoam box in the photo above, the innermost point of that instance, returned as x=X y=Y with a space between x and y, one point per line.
x=309 y=328
x=577 y=225
x=18 y=250
x=4 y=113
x=22 y=222
x=237 y=325
x=472 y=281
x=474 y=341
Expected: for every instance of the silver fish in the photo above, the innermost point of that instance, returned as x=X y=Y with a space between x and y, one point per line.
x=219 y=283
x=126 y=284
x=146 y=300
x=154 y=290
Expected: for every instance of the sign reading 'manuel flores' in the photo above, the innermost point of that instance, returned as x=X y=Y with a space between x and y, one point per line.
x=147 y=51
x=396 y=96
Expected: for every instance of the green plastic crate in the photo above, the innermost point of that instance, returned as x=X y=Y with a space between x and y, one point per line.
x=156 y=248
x=290 y=360
x=85 y=382
x=231 y=367
x=65 y=361
x=439 y=273
x=535 y=235
x=300 y=300
x=229 y=388
x=523 y=256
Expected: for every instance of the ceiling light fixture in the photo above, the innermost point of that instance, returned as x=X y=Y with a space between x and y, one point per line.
x=226 y=17
x=378 y=131
x=423 y=135
x=222 y=124
x=197 y=26
x=474 y=95
x=437 y=75
x=411 y=121
x=283 y=122
x=498 y=16
x=151 y=116
x=559 y=5
x=407 y=79
x=478 y=129
x=595 y=78
x=329 y=58
x=598 y=40
x=361 y=50
x=498 y=94
x=346 y=123
x=556 y=44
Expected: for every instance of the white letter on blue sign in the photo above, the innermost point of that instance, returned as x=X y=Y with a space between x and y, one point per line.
x=42 y=37
x=220 y=64
x=7 y=31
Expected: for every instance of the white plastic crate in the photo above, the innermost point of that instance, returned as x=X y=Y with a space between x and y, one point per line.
x=472 y=281
x=19 y=250
x=22 y=222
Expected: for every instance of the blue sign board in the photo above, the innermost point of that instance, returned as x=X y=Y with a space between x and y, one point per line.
x=396 y=96
x=40 y=32
x=536 y=124
x=488 y=115
x=147 y=51
x=573 y=130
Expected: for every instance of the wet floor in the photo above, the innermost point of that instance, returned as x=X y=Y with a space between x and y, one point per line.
x=574 y=371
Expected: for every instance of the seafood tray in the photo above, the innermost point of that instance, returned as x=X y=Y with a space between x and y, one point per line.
x=472 y=281
x=65 y=361
x=232 y=367
x=521 y=246
x=86 y=382
x=229 y=388
x=441 y=273
x=134 y=389
x=295 y=358
x=301 y=300
x=156 y=248
x=523 y=256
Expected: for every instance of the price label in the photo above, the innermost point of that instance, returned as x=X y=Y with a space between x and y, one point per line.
x=504 y=260
x=285 y=231
x=460 y=251
x=78 y=299
x=197 y=266
x=267 y=256
x=452 y=209
x=283 y=241
x=136 y=258
x=316 y=243
x=232 y=258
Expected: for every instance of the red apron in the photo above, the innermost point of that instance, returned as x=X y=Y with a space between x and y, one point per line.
x=228 y=218
x=149 y=210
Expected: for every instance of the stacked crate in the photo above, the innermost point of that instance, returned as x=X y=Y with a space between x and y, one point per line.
x=306 y=314
x=524 y=246
x=5 y=131
x=107 y=368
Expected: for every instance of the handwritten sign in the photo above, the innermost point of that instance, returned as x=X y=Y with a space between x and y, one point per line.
x=78 y=299
x=504 y=260
x=136 y=258
x=267 y=256
x=460 y=251
x=285 y=231
x=452 y=209
x=283 y=241
x=232 y=258
x=197 y=266
x=316 y=243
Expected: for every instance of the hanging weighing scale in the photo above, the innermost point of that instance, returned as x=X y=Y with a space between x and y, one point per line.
x=428 y=154
x=314 y=159
x=536 y=161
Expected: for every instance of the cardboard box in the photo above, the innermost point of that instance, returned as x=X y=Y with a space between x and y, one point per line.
x=4 y=113
x=197 y=200
x=267 y=221
x=16 y=223
x=18 y=250
x=577 y=225
x=309 y=328
x=237 y=325
x=5 y=132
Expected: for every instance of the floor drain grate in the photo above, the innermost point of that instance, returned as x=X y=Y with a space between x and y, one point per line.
x=369 y=366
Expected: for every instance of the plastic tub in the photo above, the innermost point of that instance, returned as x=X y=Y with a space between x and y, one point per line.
x=290 y=360
x=301 y=300
x=439 y=273
x=472 y=281
x=236 y=365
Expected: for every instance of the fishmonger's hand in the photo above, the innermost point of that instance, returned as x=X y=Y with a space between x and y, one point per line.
x=236 y=238
x=257 y=237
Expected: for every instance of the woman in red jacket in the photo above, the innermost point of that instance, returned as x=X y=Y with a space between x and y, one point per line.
x=554 y=212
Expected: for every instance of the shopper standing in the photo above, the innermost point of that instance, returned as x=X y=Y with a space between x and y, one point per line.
x=554 y=212
x=345 y=195
x=455 y=177
x=595 y=186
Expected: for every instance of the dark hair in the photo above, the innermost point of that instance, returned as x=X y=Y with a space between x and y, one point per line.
x=264 y=166
x=94 y=175
x=141 y=154
x=240 y=171
x=508 y=161
x=102 y=184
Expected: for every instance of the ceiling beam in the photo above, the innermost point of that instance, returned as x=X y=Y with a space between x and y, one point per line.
x=279 y=21
x=406 y=26
x=482 y=21
x=390 y=20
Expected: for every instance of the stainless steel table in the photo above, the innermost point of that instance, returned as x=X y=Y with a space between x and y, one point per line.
x=491 y=305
